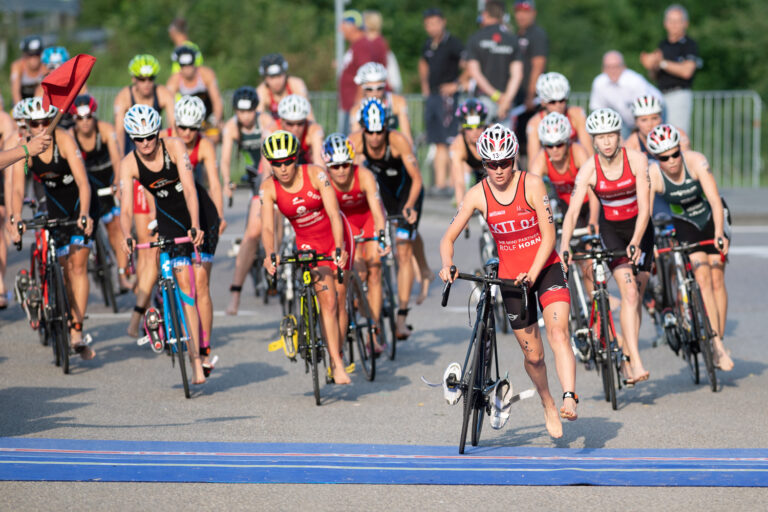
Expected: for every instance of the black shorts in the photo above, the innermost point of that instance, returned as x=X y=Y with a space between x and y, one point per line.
x=551 y=286
x=185 y=252
x=583 y=220
x=442 y=126
x=616 y=235
x=394 y=206
x=690 y=233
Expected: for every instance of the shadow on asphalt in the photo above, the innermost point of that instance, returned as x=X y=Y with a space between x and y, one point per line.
x=595 y=431
x=238 y=375
x=29 y=410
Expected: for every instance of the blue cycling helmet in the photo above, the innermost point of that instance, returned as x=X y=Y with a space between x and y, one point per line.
x=373 y=115
x=55 y=56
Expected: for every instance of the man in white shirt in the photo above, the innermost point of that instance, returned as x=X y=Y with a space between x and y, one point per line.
x=617 y=87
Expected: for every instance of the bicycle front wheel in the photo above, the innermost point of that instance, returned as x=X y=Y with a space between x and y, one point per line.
x=178 y=334
x=105 y=270
x=610 y=361
x=704 y=334
x=360 y=320
x=388 y=311
x=471 y=385
x=314 y=353
x=60 y=316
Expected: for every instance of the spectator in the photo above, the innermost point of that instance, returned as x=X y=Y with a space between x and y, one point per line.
x=372 y=21
x=534 y=47
x=673 y=64
x=442 y=58
x=359 y=52
x=28 y=70
x=617 y=87
x=494 y=61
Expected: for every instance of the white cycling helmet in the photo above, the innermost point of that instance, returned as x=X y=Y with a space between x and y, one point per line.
x=33 y=109
x=141 y=121
x=497 y=143
x=294 y=108
x=603 y=120
x=18 y=113
x=662 y=138
x=646 y=105
x=370 y=72
x=554 y=129
x=552 y=87
x=189 y=112
x=337 y=150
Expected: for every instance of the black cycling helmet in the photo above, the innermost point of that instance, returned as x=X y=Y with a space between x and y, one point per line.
x=32 y=45
x=273 y=64
x=245 y=98
x=185 y=55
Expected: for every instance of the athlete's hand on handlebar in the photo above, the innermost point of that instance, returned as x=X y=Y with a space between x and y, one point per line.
x=222 y=225
x=196 y=234
x=341 y=257
x=271 y=262
x=722 y=244
x=38 y=144
x=523 y=278
x=410 y=215
x=633 y=252
x=127 y=245
x=88 y=229
x=446 y=275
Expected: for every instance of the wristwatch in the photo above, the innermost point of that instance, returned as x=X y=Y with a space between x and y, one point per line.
x=663 y=64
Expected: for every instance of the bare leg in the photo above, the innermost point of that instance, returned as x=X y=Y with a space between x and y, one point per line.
x=630 y=315
x=3 y=259
x=76 y=273
x=424 y=270
x=703 y=273
x=529 y=339
x=193 y=324
x=440 y=165
x=556 y=322
x=404 y=284
x=326 y=297
x=115 y=238
x=720 y=292
x=204 y=304
x=146 y=272
x=245 y=257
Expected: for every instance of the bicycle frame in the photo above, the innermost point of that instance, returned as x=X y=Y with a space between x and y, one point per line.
x=166 y=282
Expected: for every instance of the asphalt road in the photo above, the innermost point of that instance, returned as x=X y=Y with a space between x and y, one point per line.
x=129 y=393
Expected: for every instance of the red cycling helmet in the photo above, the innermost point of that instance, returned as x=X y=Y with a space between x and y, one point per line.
x=83 y=105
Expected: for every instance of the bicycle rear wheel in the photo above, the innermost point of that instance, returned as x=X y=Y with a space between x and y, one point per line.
x=704 y=334
x=104 y=271
x=362 y=323
x=388 y=306
x=173 y=313
x=60 y=316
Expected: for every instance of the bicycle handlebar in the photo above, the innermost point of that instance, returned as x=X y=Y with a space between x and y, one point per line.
x=687 y=247
x=484 y=280
x=46 y=223
x=309 y=257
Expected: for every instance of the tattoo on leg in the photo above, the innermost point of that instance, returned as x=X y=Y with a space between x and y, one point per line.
x=628 y=278
x=554 y=315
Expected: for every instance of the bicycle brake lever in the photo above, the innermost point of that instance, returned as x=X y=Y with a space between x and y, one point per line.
x=447 y=287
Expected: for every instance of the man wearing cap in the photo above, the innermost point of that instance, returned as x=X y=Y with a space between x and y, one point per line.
x=495 y=62
x=359 y=52
x=617 y=87
x=27 y=71
x=442 y=58
x=673 y=64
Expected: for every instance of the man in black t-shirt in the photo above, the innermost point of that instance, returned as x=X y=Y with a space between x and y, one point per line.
x=442 y=58
x=534 y=47
x=495 y=62
x=674 y=64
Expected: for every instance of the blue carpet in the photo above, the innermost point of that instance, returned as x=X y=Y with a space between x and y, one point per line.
x=146 y=461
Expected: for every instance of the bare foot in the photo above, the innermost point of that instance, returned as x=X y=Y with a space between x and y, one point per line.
x=198 y=377
x=425 y=282
x=403 y=331
x=125 y=284
x=552 y=422
x=723 y=360
x=76 y=339
x=234 y=303
x=568 y=410
x=639 y=374
x=340 y=376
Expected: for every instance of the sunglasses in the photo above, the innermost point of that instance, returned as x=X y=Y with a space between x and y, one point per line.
x=554 y=145
x=339 y=166
x=83 y=118
x=665 y=158
x=294 y=124
x=557 y=101
x=282 y=162
x=378 y=88
x=497 y=164
x=369 y=132
x=147 y=138
x=37 y=124
x=473 y=127
x=145 y=78
x=187 y=128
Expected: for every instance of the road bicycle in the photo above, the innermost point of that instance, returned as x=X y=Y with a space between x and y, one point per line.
x=477 y=379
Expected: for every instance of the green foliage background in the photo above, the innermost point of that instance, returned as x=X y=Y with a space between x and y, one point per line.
x=233 y=34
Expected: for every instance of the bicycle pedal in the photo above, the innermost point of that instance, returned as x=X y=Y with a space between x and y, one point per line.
x=143 y=340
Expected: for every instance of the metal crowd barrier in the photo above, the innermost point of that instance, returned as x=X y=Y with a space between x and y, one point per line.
x=726 y=127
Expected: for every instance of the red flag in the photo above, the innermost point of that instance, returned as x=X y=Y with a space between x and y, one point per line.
x=62 y=85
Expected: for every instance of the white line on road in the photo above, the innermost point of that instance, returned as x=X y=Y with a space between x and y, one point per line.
x=127 y=314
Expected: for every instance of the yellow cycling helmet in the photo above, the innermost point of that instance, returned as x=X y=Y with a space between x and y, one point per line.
x=280 y=145
x=144 y=66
